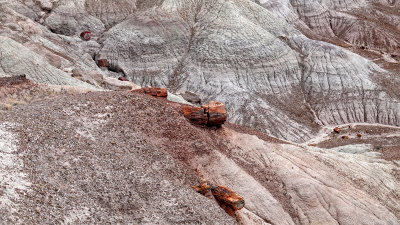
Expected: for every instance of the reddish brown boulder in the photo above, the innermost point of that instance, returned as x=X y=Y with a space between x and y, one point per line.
x=336 y=130
x=216 y=113
x=123 y=79
x=102 y=63
x=196 y=115
x=86 y=35
x=228 y=197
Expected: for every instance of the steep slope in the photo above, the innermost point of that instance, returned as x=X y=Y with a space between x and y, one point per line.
x=130 y=158
x=28 y=48
x=86 y=162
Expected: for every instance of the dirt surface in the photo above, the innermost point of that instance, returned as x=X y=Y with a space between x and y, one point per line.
x=262 y=136
x=124 y=157
x=385 y=140
x=97 y=158
x=21 y=91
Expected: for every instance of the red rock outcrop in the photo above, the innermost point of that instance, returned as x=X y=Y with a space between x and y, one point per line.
x=86 y=35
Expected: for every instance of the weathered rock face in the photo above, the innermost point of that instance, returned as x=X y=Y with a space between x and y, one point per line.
x=191 y=97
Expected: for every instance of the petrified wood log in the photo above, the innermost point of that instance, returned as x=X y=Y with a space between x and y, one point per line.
x=196 y=115
x=227 y=199
x=216 y=113
x=123 y=79
x=226 y=196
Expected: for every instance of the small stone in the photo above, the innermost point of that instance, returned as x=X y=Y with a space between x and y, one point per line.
x=336 y=130
x=191 y=97
x=123 y=79
x=345 y=137
x=86 y=35
x=102 y=63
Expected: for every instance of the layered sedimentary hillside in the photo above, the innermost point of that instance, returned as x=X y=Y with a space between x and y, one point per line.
x=73 y=153
x=120 y=157
x=277 y=65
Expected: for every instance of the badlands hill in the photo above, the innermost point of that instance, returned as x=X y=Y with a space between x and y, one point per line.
x=286 y=68
x=121 y=157
x=73 y=150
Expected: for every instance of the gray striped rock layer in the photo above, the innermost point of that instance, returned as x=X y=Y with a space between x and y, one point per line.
x=274 y=64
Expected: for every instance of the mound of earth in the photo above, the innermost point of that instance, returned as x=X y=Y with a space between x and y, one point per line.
x=124 y=157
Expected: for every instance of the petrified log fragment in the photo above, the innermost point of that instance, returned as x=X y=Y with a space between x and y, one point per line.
x=123 y=79
x=159 y=92
x=86 y=35
x=102 y=63
x=336 y=130
x=216 y=113
x=202 y=188
x=156 y=92
x=227 y=199
x=226 y=196
x=196 y=115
